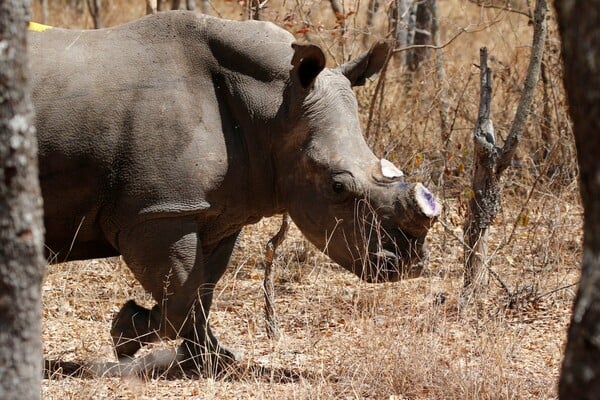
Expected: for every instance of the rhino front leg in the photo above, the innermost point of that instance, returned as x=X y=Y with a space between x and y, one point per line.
x=200 y=349
x=166 y=257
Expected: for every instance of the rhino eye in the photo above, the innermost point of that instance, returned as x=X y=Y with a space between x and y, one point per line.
x=338 y=187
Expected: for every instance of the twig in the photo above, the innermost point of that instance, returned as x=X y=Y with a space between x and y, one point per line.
x=557 y=290
x=269 y=292
x=451 y=232
x=533 y=73
x=503 y=8
x=452 y=39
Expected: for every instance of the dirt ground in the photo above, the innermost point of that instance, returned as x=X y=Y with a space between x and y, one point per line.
x=341 y=338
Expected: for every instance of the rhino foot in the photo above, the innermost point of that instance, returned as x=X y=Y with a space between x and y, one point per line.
x=211 y=360
x=131 y=329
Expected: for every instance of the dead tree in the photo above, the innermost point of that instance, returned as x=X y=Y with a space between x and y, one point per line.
x=580 y=33
x=21 y=229
x=490 y=161
x=95 y=7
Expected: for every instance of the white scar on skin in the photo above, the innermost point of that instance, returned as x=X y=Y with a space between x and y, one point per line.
x=389 y=170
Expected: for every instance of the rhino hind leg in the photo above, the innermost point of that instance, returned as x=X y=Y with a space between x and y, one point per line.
x=166 y=258
x=132 y=328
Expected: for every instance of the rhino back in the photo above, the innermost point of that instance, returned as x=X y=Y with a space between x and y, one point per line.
x=130 y=119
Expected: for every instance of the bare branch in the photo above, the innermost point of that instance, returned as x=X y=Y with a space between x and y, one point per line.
x=452 y=39
x=507 y=6
x=272 y=245
x=533 y=73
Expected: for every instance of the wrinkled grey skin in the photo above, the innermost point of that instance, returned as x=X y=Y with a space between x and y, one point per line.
x=160 y=139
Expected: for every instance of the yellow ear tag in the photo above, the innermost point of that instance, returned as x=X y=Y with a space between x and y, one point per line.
x=34 y=26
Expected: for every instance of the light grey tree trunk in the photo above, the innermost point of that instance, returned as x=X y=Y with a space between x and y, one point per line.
x=422 y=33
x=205 y=7
x=21 y=229
x=580 y=32
x=151 y=6
x=401 y=26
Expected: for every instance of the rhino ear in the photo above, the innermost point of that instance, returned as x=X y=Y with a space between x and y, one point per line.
x=308 y=61
x=367 y=64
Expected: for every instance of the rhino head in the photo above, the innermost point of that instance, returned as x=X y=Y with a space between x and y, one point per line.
x=354 y=206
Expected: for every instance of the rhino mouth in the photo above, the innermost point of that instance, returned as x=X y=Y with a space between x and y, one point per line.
x=392 y=265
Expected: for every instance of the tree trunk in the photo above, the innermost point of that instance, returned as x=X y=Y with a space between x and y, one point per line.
x=44 y=4
x=422 y=35
x=580 y=32
x=254 y=9
x=95 y=7
x=400 y=23
x=21 y=231
x=151 y=6
x=189 y=5
x=485 y=196
x=440 y=73
x=205 y=7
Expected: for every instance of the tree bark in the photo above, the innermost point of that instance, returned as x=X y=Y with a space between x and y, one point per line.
x=580 y=32
x=422 y=34
x=400 y=23
x=254 y=8
x=485 y=196
x=21 y=231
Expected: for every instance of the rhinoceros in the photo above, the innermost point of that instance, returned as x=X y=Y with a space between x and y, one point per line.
x=160 y=139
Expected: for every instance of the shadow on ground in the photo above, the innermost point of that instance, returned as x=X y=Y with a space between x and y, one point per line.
x=162 y=364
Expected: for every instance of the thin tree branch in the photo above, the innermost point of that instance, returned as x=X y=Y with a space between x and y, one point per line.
x=533 y=72
x=452 y=39
x=505 y=7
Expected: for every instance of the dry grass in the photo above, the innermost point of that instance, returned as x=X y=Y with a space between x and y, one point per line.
x=347 y=339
